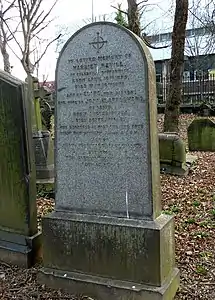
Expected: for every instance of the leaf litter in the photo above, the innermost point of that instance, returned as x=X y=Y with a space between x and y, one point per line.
x=191 y=199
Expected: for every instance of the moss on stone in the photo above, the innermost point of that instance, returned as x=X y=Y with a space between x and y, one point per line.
x=201 y=135
x=171 y=149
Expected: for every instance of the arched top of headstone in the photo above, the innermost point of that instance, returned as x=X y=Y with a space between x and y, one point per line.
x=106 y=124
x=103 y=37
x=199 y=124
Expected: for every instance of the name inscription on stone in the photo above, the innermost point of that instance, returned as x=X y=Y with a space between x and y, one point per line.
x=98 y=108
x=102 y=127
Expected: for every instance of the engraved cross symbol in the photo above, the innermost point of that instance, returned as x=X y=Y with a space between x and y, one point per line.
x=98 y=42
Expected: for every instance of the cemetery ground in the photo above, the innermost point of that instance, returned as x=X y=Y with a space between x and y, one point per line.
x=191 y=199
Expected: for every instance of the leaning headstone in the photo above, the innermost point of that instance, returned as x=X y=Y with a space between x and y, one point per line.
x=107 y=238
x=172 y=154
x=201 y=135
x=19 y=237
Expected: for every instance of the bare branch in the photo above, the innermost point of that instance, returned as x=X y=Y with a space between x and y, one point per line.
x=13 y=52
x=35 y=6
x=144 y=1
x=12 y=33
x=46 y=48
x=35 y=26
x=9 y=7
x=122 y=11
x=42 y=28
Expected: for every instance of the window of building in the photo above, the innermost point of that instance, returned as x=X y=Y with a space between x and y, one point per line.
x=200 y=75
x=186 y=76
x=158 y=78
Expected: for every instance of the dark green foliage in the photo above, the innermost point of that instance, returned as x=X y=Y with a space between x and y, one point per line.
x=120 y=19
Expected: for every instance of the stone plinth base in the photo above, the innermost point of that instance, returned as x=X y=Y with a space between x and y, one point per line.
x=45 y=174
x=99 y=288
x=110 y=255
x=20 y=250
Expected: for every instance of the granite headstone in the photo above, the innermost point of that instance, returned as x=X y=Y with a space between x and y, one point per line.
x=107 y=224
x=103 y=147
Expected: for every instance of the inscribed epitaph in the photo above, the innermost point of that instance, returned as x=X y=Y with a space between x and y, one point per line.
x=105 y=107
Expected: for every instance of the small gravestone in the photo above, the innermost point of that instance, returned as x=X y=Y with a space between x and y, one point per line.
x=107 y=238
x=19 y=237
x=172 y=154
x=201 y=135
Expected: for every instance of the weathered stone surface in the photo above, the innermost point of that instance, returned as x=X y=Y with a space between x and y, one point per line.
x=106 y=288
x=18 y=214
x=201 y=135
x=107 y=156
x=136 y=251
x=107 y=238
x=172 y=154
x=44 y=156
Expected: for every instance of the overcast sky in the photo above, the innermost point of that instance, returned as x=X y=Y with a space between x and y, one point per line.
x=75 y=16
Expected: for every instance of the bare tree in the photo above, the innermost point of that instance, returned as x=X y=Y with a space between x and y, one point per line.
x=5 y=35
x=134 y=16
x=32 y=21
x=200 y=40
x=207 y=17
x=135 y=12
x=174 y=98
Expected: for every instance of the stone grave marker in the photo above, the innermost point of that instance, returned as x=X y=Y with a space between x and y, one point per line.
x=201 y=135
x=19 y=237
x=172 y=152
x=107 y=238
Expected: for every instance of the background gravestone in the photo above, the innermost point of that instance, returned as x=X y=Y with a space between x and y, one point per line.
x=107 y=238
x=19 y=237
x=201 y=135
x=172 y=152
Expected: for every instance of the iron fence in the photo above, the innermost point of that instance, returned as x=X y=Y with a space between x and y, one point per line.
x=194 y=92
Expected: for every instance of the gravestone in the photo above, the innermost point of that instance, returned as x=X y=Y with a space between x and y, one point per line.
x=172 y=154
x=201 y=135
x=19 y=237
x=44 y=157
x=107 y=238
x=42 y=140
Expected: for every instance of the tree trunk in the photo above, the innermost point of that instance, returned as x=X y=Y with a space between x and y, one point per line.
x=6 y=61
x=172 y=110
x=134 y=17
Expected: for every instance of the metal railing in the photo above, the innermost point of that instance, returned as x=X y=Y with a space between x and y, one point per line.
x=194 y=92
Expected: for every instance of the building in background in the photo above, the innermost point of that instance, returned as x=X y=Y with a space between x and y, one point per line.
x=199 y=65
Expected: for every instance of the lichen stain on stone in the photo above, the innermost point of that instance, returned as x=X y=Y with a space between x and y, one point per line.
x=13 y=186
x=201 y=135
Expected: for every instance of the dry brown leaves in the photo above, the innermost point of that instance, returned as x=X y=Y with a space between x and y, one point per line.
x=44 y=207
x=192 y=201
